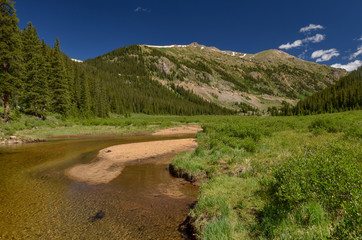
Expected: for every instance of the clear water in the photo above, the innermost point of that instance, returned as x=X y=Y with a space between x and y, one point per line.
x=37 y=200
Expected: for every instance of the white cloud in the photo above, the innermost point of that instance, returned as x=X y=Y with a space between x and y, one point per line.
x=315 y=39
x=140 y=9
x=296 y=43
x=360 y=39
x=356 y=54
x=310 y=27
x=349 y=66
x=325 y=55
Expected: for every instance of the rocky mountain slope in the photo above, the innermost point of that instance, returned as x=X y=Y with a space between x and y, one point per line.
x=229 y=79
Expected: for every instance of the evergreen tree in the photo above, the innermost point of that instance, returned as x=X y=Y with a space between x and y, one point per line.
x=10 y=55
x=59 y=82
x=35 y=94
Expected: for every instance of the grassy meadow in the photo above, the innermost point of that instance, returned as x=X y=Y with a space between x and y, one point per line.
x=261 y=177
x=278 y=177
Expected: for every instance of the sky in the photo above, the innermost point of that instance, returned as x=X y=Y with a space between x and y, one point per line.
x=327 y=32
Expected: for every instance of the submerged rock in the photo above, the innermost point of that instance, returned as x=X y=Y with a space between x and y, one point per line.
x=99 y=215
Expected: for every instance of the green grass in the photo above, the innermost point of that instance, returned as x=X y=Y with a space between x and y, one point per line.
x=29 y=127
x=244 y=197
x=262 y=177
x=229 y=201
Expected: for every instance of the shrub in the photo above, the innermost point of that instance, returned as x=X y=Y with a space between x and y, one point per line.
x=319 y=126
x=329 y=176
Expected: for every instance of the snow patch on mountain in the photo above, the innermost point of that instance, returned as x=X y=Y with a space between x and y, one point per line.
x=166 y=46
x=76 y=60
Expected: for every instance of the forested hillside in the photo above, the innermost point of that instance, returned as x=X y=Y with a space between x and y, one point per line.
x=243 y=82
x=131 y=88
x=233 y=79
x=38 y=79
x=345 y=95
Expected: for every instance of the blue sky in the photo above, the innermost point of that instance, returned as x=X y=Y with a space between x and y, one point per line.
x=327 y=32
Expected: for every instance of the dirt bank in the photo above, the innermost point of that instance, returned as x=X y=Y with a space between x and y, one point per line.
x=181 y=130
x=111 y=161
x=15 y=140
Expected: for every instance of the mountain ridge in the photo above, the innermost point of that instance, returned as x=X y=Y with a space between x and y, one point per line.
x=230 y=78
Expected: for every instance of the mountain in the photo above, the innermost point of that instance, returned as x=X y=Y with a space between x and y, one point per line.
x=130 y=87
x=229 y=79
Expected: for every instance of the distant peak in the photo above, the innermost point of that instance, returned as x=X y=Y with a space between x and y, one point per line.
x=277 y=51
x=194 y=44
x=274 y=53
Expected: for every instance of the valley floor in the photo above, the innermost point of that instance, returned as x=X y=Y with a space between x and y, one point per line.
x=261 y=177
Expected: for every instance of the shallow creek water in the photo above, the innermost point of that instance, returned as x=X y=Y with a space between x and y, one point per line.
x=38 y=201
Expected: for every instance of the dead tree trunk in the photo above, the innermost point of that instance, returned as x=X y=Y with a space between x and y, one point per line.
x=6 y=104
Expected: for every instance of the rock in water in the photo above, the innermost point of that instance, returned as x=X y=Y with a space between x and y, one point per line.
x=100 y=214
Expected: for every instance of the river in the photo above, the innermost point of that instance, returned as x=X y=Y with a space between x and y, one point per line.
x=38 y=201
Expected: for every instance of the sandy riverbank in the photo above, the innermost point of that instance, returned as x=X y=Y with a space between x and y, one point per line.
x=181 y=130
x=111 y=161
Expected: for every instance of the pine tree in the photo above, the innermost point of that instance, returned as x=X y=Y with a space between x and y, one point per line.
x=10 y=55
x=35 y=94
x=59 y=82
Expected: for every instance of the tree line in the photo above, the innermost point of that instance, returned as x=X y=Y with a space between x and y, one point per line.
x=345 y=95
x=37 y=79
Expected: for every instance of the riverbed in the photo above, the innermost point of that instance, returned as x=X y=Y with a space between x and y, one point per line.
x=38 y=201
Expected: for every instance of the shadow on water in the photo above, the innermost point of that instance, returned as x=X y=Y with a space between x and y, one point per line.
x=39 y=202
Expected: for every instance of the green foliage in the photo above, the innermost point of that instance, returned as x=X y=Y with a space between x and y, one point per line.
x=288 y=185
x=219 y=228
x=21 y=122
x=59 y=82
x=329 y=176
x=245 y=108
x=10 y=54
x=321 y=125
x=353 y=131
x=35 y=96
x=308 y=221
x=40 y=80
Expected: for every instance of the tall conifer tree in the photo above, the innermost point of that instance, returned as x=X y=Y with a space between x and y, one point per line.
x=59 y=82
x=35 y=95
x=10 y=55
